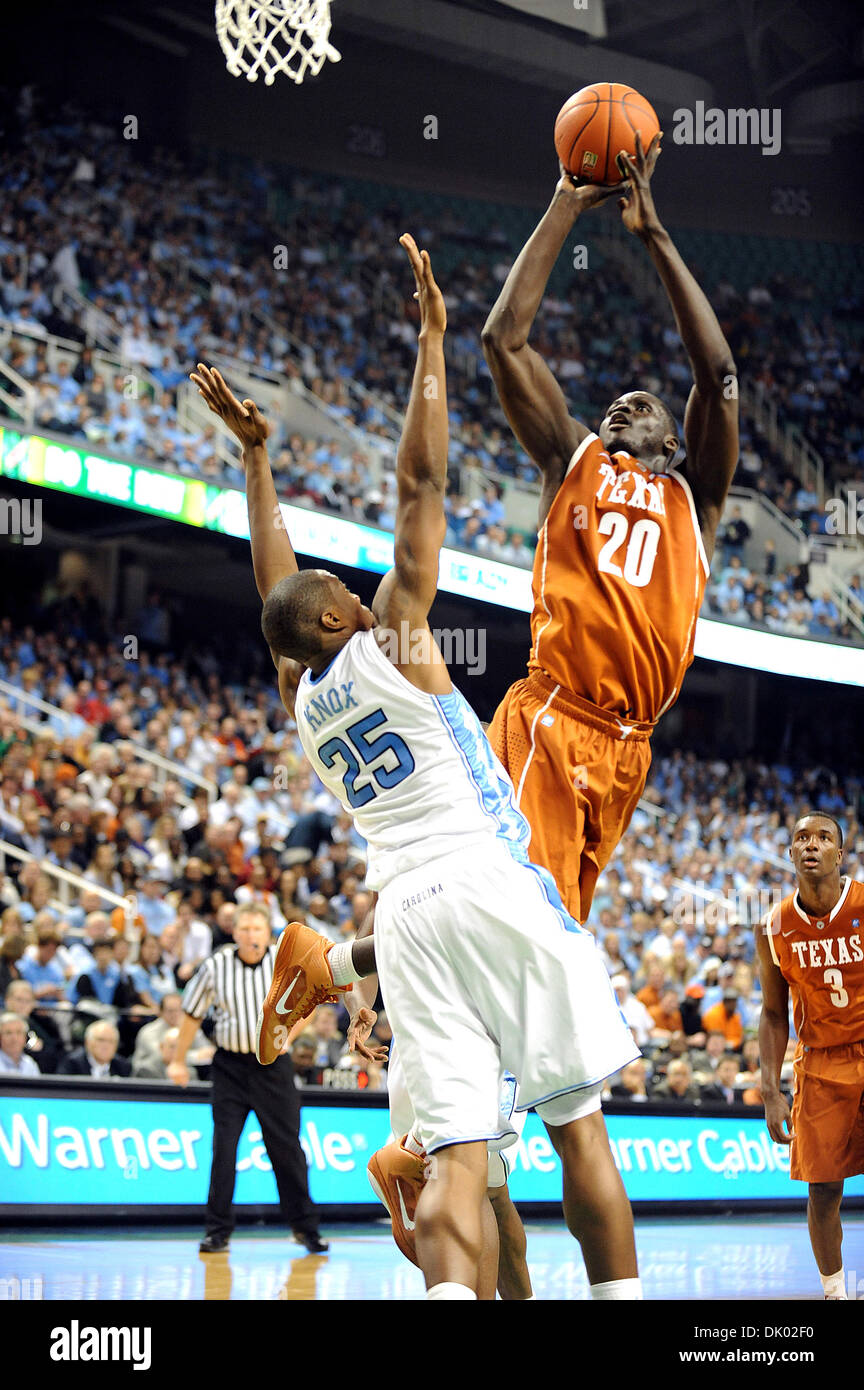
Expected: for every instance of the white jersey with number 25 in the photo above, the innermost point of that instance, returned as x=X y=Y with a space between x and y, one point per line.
x=415 y=771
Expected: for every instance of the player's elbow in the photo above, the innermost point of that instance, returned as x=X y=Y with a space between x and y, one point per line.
x=500 y=334
x=723 y=375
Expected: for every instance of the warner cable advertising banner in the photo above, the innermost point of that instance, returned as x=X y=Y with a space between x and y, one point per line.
x=62 y=1150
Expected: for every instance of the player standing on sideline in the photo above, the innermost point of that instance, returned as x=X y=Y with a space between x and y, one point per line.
x=480 y=967
x=813 y=944
x=623 y=551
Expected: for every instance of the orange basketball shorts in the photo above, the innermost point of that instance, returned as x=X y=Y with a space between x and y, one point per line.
x=578 y=773
x=828 y=1113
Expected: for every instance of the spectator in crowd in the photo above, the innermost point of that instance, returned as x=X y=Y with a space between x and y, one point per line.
x=722 y=1089
x=666 y=1017
x=705 y=1062
x=307 y=1071
x=148 y=1055
x=43 y=971
x=157 y=1070
x=637 y=1017
x=14 y=1060
x=44 y=1043
x=101 y=979
x=631 y=1082
x=725 y=1018
x=329 y=1042
x=678 y=1087
x=150 y=976
x=98 y=1057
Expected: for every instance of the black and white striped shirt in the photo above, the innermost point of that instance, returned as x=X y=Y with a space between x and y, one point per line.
x=235 y=991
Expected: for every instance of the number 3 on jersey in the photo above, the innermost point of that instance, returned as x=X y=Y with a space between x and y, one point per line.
x=360 y=751
x=641 y=549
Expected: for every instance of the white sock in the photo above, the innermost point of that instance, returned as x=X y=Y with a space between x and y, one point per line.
x=413 y=1144
x=452 y=1292
x=341 y=964
x=617 y=1288
x=834 y=1285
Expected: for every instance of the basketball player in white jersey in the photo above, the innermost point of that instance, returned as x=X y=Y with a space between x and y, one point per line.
x=481 y=969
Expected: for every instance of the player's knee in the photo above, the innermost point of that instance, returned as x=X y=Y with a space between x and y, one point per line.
x=825 y=1195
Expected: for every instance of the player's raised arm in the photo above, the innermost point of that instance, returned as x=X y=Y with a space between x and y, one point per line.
x=711 y=418
x=421 y=463
x=272 y=552
x=531 y=397
x=773 y=1038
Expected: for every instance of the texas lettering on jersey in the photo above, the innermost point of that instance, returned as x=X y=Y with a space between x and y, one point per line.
x=822 y=960
x=619 y=574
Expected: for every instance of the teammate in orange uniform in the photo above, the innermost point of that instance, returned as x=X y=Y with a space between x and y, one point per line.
x=623 y=551
x=813 y=944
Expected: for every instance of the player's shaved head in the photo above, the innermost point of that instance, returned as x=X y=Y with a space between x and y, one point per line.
x=292 y=617
x=310 y=615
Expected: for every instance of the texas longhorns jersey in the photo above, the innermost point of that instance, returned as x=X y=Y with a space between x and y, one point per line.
x=822 y=959
x=619 y=574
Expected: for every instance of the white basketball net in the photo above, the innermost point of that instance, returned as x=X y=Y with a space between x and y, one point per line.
x=273 y=36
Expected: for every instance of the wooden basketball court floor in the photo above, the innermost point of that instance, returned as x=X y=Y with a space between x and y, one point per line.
x=748 y=1257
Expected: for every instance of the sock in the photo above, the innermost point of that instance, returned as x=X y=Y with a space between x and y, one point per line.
x=617 y=1288
x=451 y=1292
x=834 y=1285
x=341 y=965
x=412 y=1144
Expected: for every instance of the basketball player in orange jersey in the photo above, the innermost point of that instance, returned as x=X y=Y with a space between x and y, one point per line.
x=813 y=945
x=623 y=551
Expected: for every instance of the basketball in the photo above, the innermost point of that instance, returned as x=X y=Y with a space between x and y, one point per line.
x=596 y=123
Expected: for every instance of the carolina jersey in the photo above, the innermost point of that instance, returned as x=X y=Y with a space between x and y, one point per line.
x=415 y=771
x=619 y=574
x=822 y=958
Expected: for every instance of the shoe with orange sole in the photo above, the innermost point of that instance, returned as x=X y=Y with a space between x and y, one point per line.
x=397 y=1177
x=301 y=981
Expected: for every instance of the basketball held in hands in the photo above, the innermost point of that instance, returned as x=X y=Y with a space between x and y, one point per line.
x=596 y=123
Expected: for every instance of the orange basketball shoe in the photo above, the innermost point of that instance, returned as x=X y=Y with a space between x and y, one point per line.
x=397 y=1177
x=301 y=981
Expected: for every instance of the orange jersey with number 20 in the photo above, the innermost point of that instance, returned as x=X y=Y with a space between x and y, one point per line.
x=619 y=575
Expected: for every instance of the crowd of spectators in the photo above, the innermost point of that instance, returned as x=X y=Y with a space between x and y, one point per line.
x=98 y=984
x=181 y=261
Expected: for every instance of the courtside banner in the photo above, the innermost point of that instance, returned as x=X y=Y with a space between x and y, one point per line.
x=44 y=462
x=117 y=1152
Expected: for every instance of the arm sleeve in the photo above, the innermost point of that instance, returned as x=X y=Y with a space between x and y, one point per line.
x=200 y=992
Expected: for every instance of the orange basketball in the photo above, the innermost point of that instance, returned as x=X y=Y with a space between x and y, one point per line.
x=596 y=123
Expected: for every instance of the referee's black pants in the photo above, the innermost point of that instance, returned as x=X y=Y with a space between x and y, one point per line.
x=241 y=1084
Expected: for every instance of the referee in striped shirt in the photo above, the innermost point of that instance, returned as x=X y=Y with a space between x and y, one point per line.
x=234 y=982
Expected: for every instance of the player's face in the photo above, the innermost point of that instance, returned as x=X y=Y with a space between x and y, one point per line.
x=361 y=617
x=635 y=423
x=815 y=851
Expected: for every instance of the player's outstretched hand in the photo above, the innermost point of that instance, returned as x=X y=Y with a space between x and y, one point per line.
x=359 y=1031
x=243 y=418
x=433 y=312
x=638 y=212
x=778 y=1118
x=586 y=195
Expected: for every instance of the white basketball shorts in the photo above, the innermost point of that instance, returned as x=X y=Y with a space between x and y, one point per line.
x=482 y=971
x=402 y=1115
